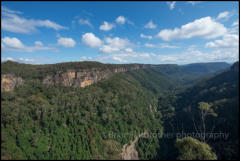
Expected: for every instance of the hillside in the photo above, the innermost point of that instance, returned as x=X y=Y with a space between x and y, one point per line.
x=221 y=91
x=58 y=119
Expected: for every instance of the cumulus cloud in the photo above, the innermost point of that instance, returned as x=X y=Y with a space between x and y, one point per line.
x=66 y=42
x=149 y=45
x=194 y=56
x=117 y=42
x=108 y=49
x=228 y=41
x=121 y=20
x=150 y=25
x=129 y=50
x=85 y=22
x=171 y=4
x=204 y=27
x=38 y=43
x=14 y=44
x=86 y=58
x=91 y=40
x=146 y=36
x=162 y=45
x=224 y=15
x=124 y=56
x=106 y=26
x=114 y=44
x=12 y=21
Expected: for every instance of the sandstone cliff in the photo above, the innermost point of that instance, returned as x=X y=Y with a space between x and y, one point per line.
x=77 y=78
x=9 y=82
x=84 y=77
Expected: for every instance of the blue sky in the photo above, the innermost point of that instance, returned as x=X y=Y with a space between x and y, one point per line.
x=120 y=32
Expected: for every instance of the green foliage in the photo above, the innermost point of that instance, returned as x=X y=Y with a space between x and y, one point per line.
x=206 y=108
x=42 y=121
x=192 y=149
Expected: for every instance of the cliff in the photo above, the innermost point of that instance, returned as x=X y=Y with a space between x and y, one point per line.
x=9 y=82
x=77 y=78
x=71 y=74
x=85 y=77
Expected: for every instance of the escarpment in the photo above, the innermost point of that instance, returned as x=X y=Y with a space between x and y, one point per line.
x=85 y=77
x=73 y=74
x=72 y=78
x=10 y=81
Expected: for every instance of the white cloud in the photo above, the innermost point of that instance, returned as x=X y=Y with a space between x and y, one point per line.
x=146 y=36
x=108 y=49
x=235 y=23
x=7 y=58
x=171 y=4
x=121 y=20
x=85 y=22
x=14 y=44
x=119 y=59
x=193 y=2
x=129 y=50
x=12 y=22
x=91 y=40
x=114 y=44
x=106 y=26
x=224 y=15
x=66 y=42
x=38 y=43
x=194 y=56
x=86 y=58
x=162 y=45
x=150 y=25
x=149 y=45
x=204 y=27
x=22 y=60
x=123 y=56
x=117 y=42
x=228 y=41
x=191 y=55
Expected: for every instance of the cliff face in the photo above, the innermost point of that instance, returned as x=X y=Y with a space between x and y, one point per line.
x=76 y=78
x=83 y=78
x=124 y=69
x=9 y=82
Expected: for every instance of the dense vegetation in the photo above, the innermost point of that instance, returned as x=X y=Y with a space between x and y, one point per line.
x=220 y=96
x=40 y=121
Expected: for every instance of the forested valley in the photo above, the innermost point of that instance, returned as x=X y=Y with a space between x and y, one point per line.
x=187 y=112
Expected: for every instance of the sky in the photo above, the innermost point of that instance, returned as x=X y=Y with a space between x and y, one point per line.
x=164 y=32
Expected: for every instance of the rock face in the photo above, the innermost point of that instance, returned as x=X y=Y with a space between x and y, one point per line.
x=76 y=78
x=9 y=82
x=85 y=77
x=124 y=69
x=130 y=152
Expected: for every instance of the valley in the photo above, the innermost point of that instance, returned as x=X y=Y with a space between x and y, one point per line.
x=68 y=110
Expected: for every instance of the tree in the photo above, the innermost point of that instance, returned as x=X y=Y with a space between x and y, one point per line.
x=205 y=110
x=192 y=149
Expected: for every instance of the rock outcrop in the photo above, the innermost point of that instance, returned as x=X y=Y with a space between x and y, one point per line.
x=124 y=69
x=130 y=152
x=84 y=77
x=72 y=78
x=9 y=82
